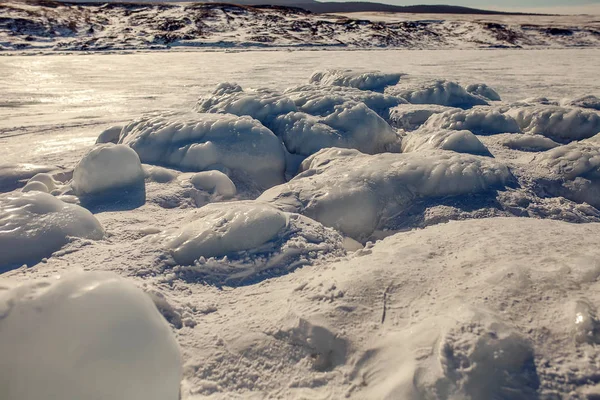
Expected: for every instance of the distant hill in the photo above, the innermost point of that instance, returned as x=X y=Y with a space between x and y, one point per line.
x=316 y=6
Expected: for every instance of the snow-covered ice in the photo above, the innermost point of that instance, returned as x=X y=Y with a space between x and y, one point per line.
x=91 y=335
x=325 y=239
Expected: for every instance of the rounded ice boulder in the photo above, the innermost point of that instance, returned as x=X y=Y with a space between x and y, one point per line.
x=85 y=336
x=33 y=225
x=107 y=167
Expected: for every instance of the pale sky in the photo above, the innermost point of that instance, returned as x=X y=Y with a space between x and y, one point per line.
x=550 y=6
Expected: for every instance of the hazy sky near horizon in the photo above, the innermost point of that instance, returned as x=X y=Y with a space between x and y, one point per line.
x=564 y=5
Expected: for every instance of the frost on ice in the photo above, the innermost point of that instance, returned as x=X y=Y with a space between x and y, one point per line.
x=357 y=193
x=85 y=336
x=241 y=147
x=232 y=242
x=359 y=80
x=33 y=225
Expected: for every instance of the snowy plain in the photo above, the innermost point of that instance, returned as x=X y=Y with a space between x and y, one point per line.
x=347 y=280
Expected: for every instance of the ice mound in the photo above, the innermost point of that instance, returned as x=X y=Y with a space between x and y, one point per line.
x=470 y=355
x=528 y=142
x=261 y=104
x=322 y=100
x=444 y=93
x=241 y=147
x=591 y=102
x=42 y=182
x=359 y=80
x=481 y=121
x=575 y=171
x=235 y=241
x=358 y=193
x=110 y=135
x=411 y=116
x=350 y=125
x=107 y=167
x=14 y=176
x=214 y=181
x=34 y=225
x=483 y=90
x=557 y=123
x=85 y=336
x=460 y=141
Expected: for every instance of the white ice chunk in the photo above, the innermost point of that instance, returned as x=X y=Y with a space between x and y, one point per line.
x=260 y=104
x=197 y=142
x=411 y=116
x=590 y=101
x=358 y=193
x=215 y=182
x=107 y=167
x=34 y=225
x=481 y=121
x=440 y=92
x=360 y=80
x=322 y=100
x=483 y=90
x=350 y=125
x=557 y=123
x=110 y=135
x=85 y=336
x=529 y=142
x=460 y=141
x=219 y=229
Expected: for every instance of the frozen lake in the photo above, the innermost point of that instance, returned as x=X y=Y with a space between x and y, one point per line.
x=63 y=101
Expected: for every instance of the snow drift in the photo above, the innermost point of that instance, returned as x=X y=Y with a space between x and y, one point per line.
x=241 y=147
x=358 y=194
x=85 y=336
x=376 y=81
x=33 y=225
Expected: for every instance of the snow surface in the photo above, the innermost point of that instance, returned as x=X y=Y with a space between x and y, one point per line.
x=36 y=224
x=438 y=298
x=91 y=335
